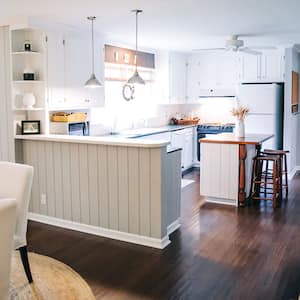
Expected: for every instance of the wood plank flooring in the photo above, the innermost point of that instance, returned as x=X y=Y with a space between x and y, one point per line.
x=219 y=253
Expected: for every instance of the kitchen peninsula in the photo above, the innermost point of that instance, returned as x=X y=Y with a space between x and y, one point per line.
x=126 y=189
x=226 y=163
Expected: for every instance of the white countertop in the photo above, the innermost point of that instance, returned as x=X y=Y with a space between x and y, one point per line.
x=101 y=140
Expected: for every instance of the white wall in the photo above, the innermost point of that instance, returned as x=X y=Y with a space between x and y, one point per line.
x=291 y=121
x=6 y=121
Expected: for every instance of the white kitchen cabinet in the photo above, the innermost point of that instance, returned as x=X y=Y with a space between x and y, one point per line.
x=178 y=141
x=249 y=68
x=69 y=67
x=267 y=67
x=177 y=78
x=188 y=148
x=209 y=73
x=55 y=68
x=184 y=139
x=272 y=67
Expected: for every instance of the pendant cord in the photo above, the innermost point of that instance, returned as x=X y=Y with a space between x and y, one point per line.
x=136 y=39
x=93 y=54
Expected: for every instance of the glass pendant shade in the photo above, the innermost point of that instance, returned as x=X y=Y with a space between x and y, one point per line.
x=93 y=82
x=136 y=78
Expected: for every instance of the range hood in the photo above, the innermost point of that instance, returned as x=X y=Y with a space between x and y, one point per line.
x=217 y=93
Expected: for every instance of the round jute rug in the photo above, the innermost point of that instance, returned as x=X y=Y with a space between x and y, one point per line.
x=53 y=280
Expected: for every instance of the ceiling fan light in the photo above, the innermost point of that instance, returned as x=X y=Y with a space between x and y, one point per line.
x=136 y=78
x=93 y=82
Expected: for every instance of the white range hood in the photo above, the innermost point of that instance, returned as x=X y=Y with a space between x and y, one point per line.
x=217 y=92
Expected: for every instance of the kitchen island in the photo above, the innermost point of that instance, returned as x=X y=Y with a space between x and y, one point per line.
x=121 y=188
x=226 y=165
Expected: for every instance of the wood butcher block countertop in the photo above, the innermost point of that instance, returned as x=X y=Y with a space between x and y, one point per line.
x=230 y=138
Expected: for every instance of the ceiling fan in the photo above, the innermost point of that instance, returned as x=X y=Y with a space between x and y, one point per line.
x=233 y=44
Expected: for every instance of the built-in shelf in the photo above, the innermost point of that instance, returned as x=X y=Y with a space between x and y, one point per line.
x=26 y=53
x=28 y=109
x=27 y=81
x=34 y=60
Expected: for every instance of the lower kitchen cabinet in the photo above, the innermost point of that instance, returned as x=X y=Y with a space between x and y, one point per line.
x=184 y=139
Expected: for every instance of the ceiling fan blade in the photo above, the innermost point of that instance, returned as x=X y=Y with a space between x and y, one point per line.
x=249 y=51
x=208 y=49
x=265 y=48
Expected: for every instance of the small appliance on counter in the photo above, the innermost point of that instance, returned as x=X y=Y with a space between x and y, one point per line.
x=69 y=123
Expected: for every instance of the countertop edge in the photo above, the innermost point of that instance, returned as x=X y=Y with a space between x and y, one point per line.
x=260 y=138
x=95 y=140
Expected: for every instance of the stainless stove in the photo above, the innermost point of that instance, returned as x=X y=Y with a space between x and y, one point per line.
x=211 y=128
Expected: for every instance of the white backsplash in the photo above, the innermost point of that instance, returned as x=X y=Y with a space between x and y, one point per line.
x=119 y=114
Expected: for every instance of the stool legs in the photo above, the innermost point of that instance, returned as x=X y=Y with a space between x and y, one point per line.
x=286 y=176
x=275 y=184
x=263 y=175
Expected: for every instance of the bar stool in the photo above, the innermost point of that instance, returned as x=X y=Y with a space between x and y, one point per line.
x=283 y=161
x=262 y=178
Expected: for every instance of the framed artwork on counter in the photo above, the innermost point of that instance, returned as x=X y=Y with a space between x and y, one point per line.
x=31 y=127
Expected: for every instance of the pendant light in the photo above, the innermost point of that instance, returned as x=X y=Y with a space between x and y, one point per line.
x=93 y=82
x=136 y=78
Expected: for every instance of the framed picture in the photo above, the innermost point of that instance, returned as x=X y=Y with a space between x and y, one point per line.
x=31 y=127
x=295 y=92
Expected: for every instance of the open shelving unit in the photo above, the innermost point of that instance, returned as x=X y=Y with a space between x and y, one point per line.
x=34 y=60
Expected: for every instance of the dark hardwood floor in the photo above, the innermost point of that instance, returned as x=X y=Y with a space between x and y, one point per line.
x=219 y=253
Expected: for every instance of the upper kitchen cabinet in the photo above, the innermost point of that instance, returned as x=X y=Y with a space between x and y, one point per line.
x=267 y=67
x=170 y=77
x=56 y=69
x=177 y=78
x=69 y=67
x=211 y=74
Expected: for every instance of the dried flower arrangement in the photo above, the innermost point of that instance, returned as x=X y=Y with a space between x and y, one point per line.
x=240 y=113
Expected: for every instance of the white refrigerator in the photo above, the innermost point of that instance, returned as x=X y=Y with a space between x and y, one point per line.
x=265 y=102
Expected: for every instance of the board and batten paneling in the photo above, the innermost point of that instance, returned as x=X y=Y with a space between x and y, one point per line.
x=7 y=151
x=120 y=188
x=219 y=170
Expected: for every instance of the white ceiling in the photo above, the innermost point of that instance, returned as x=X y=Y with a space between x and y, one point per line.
x=174 y=24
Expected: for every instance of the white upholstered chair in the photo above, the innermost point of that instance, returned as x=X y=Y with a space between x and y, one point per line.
x=8 y=211
x=16 y=182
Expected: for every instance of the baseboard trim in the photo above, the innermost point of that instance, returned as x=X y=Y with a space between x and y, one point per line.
x=292 y=173
x=221 y=201
x=104 y=232
x=173 y=227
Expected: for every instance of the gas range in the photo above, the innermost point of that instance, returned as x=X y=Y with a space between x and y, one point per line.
x=211 y=128
x=214 y=128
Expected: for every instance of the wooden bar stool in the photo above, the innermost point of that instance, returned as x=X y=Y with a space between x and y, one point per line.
x=264 y=176
x=283 y=161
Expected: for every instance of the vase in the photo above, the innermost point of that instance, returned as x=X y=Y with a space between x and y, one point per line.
x=239 y=129
x=28 y=100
